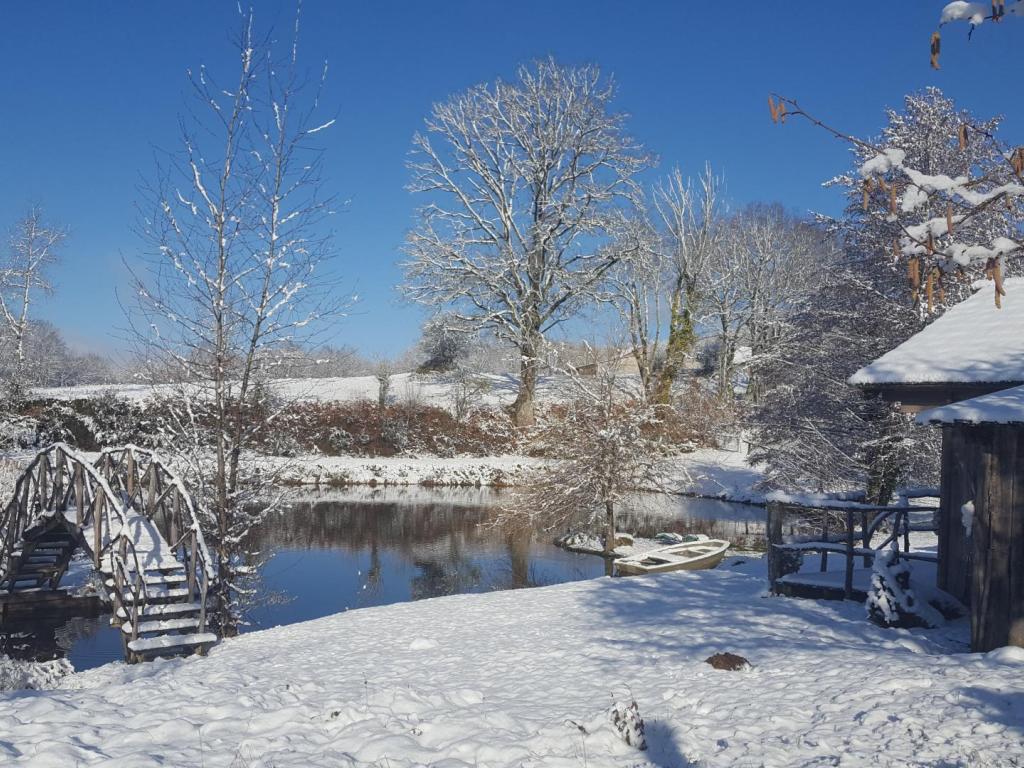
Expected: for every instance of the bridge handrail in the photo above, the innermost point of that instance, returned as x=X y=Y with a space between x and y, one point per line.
x=184 y=517
x=71 y=461
x=172 y=482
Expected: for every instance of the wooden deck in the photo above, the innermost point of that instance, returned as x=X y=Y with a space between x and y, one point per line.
x=838 y=530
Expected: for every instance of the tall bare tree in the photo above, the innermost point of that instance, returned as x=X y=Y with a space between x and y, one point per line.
x=234 y=280
x=33 y=248
x=635 y=288
x=691 y=234
x=520 y=178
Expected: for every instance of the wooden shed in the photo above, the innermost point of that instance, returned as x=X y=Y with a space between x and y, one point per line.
x=981 y=535
x=964 y=373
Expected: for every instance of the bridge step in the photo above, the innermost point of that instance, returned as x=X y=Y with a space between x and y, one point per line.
x=157 y=580
x=165 y=626
x=41 y=560
x=168 y=609
x=171 y=644
x=39 y=568
x=52 y=538
x=158 y=595
x=49 y=550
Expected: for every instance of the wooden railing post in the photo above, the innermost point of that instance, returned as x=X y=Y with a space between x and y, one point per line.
x=848 y=580
x=824 y=537
x=43 y=495
x=865 y=536
x=79 y=496
x=202 y=601
x=192 y=564
x=773 y=531
x=58 y=482
x=129 y=460
x=98 y=503
x=175 y=526
x=153 y=487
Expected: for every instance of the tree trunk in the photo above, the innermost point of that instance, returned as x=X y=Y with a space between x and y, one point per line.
x=609 y=537
x=522 y=409
x=681 y=339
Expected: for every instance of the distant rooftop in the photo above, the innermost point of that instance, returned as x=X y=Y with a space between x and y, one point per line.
x=1003 y=407
x=973 y=342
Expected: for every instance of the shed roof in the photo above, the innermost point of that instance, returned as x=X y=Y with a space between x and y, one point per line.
x=1003 y=407
x=973 y=342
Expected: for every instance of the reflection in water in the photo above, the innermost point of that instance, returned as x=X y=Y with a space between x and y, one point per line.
x=344 y=549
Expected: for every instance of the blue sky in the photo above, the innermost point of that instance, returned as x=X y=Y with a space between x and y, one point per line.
x=88 y=89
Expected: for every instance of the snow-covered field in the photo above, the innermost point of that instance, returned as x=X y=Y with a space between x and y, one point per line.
x=428 y=389
x=524 y=678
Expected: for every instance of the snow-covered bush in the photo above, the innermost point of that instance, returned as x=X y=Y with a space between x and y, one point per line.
x=32 y=675
x=16 y=432
x=628 y=723
x=339 y=440
x=891 y=602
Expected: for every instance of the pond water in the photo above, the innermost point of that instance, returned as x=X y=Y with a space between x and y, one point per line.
x=346 y=549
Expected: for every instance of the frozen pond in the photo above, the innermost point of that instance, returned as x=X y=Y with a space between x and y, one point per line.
x=346 y=549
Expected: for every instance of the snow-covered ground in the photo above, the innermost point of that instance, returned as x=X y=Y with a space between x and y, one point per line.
x=524 y=678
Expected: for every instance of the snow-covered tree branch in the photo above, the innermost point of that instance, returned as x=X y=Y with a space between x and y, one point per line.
x=236 y=280
x=942 y=218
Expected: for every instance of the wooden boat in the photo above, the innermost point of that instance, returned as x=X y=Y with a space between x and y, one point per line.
x=689 y=556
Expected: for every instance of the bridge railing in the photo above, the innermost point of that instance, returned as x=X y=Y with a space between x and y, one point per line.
x=147 y=484
x=57 y=480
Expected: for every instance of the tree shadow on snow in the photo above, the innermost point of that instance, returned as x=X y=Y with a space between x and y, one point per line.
x=662 y=746
x=1006 y=708
x=692 y=616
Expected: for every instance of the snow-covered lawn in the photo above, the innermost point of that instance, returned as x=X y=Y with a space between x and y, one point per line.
x=524 y=678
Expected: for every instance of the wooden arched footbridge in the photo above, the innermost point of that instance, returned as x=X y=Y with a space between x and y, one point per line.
x=140 y=528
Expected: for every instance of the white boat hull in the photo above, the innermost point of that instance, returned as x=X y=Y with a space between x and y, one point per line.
x=690 y=556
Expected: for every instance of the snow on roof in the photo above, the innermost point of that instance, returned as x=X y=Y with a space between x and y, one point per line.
x=973 y=342
x=1003 y=407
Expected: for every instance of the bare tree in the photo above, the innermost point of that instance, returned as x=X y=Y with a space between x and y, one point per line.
x=234 y=280
x=635 y=288
x=606 y=445
x=33 y=249
x=520 y=178
x=691 y=234
x=763 y=271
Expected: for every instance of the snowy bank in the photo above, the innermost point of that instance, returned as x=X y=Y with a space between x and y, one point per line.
x=524 y=678
x=496 y=471
x=705 y=472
